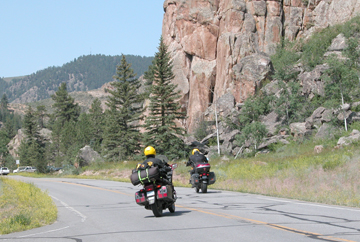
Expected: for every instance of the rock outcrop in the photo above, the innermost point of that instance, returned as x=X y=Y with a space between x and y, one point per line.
x=223 y=46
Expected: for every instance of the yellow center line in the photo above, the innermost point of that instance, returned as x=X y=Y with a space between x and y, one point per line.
x=230 y=216
x=274 y=226
x=98 y=188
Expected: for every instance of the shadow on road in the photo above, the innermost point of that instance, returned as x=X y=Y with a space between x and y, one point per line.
x=168 y=214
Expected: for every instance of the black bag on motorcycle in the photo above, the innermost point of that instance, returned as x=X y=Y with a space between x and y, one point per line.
x=212 y=178
x=195 y=179
x=147 y=175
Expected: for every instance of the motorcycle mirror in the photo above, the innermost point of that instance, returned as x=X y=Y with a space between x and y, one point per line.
x=174 y=166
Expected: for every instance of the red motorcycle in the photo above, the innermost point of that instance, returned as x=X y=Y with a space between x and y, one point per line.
x=158 y=194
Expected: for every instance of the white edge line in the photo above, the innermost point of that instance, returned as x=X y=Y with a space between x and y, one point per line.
x=49 y=231
x=83 y=217
x=311 y=204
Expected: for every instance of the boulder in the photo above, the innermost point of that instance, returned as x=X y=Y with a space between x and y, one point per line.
x=318 y=149
x=87 y=155
x=338 y=43
x=311 y=81
x=273 y=140
x=326 y=131
x=299 y=130
x=272 y=122
x=347 y=140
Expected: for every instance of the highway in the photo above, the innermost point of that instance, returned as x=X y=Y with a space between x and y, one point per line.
x=98 y=210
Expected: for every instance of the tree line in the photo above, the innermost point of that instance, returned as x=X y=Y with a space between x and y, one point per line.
x=115 y=132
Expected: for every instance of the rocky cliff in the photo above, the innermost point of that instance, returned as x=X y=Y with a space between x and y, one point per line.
x=223 y=46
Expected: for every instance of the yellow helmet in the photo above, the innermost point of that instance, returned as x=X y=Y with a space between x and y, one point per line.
x=149 y=151
x=193 y=151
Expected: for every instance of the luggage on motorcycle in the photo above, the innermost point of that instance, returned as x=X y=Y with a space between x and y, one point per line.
x=195 y=179
x=165 y=193
x=212 y=178
x=202 y=168
x=140 y=198
x=147 y=175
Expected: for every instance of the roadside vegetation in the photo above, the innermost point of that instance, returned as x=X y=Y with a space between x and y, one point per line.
x=290 y=171
x=24 y=206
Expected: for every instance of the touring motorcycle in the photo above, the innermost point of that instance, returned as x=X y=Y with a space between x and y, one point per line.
x=157 y=194
x=202 y=177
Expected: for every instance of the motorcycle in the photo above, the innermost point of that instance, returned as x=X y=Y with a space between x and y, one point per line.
x=157 y=194
x=202 y=177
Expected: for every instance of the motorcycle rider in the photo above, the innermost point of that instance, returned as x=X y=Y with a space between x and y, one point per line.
x=196 y=158
x=163 y=166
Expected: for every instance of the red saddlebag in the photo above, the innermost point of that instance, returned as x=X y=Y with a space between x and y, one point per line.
x=140 y=198
x=165 y=193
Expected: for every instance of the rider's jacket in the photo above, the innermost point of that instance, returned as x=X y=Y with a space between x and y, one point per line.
x=164 y=167
x=196 y=158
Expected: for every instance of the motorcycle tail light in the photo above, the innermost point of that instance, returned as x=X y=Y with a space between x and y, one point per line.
x=149 y=188
x=158 y=186
x=204 y=174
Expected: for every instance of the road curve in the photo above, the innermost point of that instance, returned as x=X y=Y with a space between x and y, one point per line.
x=96 y=210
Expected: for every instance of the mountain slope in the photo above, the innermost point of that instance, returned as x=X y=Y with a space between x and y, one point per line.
x=82 y=74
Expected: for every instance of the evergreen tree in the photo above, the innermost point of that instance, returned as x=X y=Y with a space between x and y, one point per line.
x=4 y=152
x=41 y=114
x=97 y=124
x=53 y=153
x=4 y=102
x=162 y=132
x=4 y=112
x=32 y=148
x=122 y=135
x=83 y=130
x=65 y=108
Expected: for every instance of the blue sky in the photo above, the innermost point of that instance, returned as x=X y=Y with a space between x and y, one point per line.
x=37 y=34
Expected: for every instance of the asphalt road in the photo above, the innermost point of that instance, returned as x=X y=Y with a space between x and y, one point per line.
x=95 y=210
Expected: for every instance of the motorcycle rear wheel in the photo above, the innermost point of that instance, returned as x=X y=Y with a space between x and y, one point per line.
x=197 y=189
x=204 y=188
x=157 y=209
x=172 y=208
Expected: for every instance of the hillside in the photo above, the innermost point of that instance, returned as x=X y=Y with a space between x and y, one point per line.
x=82 y=74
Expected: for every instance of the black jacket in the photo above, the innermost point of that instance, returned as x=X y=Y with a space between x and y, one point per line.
x=164 y=167
x=196 y=158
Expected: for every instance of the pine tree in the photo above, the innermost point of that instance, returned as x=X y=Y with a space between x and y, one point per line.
x=121 y=135
x=64 y=105
x=4 y=102
x=83 y=130
x=32 y=148
x=41 y=114
x=162 y=132
x=97 y=124
x=4 y=152
x=4 y=112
